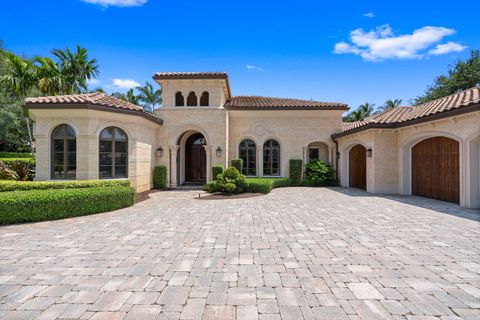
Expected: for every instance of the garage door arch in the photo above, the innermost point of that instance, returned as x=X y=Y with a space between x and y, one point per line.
x=435 y=168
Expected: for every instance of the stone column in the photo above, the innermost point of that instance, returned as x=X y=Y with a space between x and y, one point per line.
x=208 y=152
x=259 y=162
x=173 y=166
x=305 y=159
x=330 y=154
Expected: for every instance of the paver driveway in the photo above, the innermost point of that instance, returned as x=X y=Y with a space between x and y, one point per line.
x=295 y=253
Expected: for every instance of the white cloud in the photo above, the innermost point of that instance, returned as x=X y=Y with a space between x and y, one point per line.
x=117 y=3
x=125 y=83
x=369 y=15
x=93 y=82
x=381 y=43
x=252 y=67
x=446 y=48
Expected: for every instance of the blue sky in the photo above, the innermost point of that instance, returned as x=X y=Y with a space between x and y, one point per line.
x=344 y=51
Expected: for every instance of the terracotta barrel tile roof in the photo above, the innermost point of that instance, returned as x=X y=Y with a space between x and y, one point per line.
x=190 y=75
x=96 y=99
x=401 y=116
x=269 y=103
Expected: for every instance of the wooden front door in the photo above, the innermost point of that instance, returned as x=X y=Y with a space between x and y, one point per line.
x=195 y=159
x=357 y=167
x=435 y=169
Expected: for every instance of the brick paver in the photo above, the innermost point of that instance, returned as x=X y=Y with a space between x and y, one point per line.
x=295 y=253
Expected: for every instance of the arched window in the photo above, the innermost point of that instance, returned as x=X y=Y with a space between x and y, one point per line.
x=179 y=100
x=248 y=153
x=271 y=158
x=204 y=99
x=64 y=153
x=192 y=99
x=113 y=157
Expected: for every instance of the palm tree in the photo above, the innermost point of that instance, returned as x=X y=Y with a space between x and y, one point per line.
x=49 y=78
x=19 y=75
x=148 y=97
x=363 y=111
x=75 y=69
x=390 y=104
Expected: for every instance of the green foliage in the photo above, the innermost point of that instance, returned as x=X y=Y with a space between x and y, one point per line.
x=6 y=186
x=237 y=163
x=319 y=173
x=24 y=168
x=462 y=75
x=230 y=181
x=265 y=185
x=216 y=170
x=363 y=111
x=149 y=97
x=296 y=171
x=41 y=205
x=390 y=104
x=160 y=177
x=14 y=155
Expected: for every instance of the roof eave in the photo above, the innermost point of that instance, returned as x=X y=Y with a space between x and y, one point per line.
x=92 y=107
x=279 y=108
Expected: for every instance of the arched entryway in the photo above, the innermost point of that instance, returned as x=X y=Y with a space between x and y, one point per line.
x=357 y=167
x=195 y=159
x=436 y=169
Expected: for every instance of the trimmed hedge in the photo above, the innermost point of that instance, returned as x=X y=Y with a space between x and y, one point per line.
x=15 y=155
x=237 y=163
x=265 y=185
x=40 y=205
x=319 y=173
x=160 y=177
x=216 y=170
x=296 y=171
x=6 y=186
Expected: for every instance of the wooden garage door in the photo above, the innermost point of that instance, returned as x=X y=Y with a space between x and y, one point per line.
x=357 y=167
x=435 y=169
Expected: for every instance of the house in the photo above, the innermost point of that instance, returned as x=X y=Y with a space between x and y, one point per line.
x=430 y=150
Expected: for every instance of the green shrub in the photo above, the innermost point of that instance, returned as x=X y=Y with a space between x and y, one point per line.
x=160 y=177
x=230 y=181
x=237 y=163
x=296 y=171
x=319 y=173
x=6 y=186
x=265 y=185
x=23 y=167
x=40 y=205
x=15 y=155
x=216 y=170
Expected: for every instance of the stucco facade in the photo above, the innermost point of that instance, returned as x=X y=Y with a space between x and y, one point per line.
x=389 y=168
x=200 y=105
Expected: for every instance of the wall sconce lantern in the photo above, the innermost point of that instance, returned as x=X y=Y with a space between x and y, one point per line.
x=159 y=152
x=338 y=155
x=219 y=152
x=369 y=152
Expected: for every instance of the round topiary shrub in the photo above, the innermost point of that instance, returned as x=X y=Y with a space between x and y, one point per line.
x=230 y=181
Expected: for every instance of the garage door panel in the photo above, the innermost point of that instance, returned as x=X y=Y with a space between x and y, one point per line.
x=435 y=169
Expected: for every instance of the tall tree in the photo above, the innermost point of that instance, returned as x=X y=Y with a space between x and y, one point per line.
x=390 y=104
x=463 y=74
x=363 y=111
x=75 y=69
x=18 y=74
x=48 y=76
x=148 y=97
